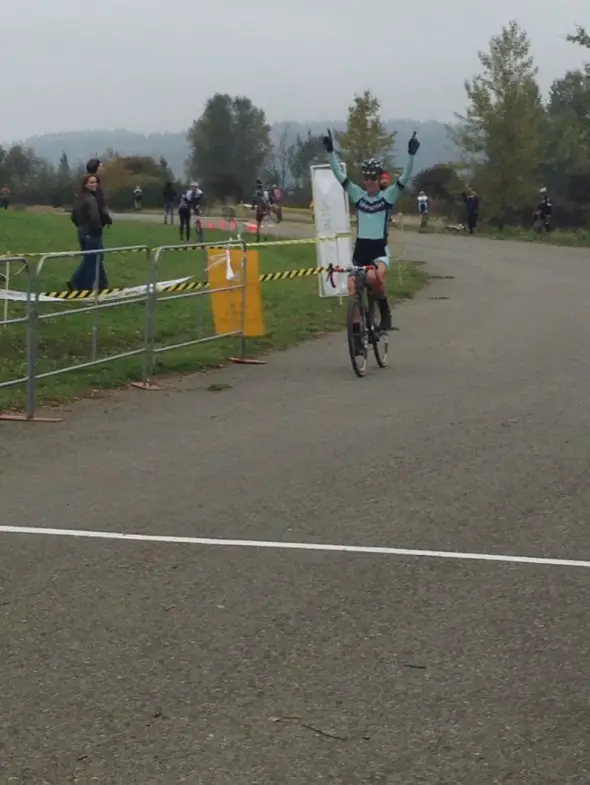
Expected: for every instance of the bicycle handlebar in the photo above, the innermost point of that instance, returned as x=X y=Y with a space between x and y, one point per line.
x=355 y=269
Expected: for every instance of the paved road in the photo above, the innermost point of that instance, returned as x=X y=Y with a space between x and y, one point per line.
x=142 y=663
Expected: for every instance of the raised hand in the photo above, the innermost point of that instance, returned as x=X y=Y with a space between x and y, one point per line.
x=413 y=144
x=328 y=142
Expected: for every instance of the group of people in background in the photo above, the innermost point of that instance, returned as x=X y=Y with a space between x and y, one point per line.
x=188 y=204
x=541 y=217
x=91 y=216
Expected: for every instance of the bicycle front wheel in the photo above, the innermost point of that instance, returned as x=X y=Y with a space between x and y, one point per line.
x=357 y=338
x=380 y=339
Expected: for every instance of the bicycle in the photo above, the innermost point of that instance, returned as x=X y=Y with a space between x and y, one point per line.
x=197 y=211
x=361 y=310
x=540 y=223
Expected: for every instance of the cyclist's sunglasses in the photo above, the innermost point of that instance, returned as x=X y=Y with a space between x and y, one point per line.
x=372 y=176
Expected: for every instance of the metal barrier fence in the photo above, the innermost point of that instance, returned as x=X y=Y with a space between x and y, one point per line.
x=95 y=302
x=151 y=350
x=24 y=320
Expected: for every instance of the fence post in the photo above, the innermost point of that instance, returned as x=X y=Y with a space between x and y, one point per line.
x=152 y=262
x=31 y=353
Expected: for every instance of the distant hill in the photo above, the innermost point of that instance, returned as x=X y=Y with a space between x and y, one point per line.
x=81 y=145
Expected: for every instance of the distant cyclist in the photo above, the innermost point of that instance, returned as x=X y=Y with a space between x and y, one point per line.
x=544 y=212
x=260 y=205
x=423 y=208
x=374 y=207
x=194 y=196
x=276 y=199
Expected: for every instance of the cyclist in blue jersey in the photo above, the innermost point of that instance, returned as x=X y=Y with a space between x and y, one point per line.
x=373 y=207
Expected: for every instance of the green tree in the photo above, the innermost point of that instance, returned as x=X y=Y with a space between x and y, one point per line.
x=63 y=186
x=280 y=158
x=580 y=37
x=365 y=134
x=568 y=131
x=502 y=133
x=19 y=165
x=229 y=145
x=306 y=153
x=63 y=169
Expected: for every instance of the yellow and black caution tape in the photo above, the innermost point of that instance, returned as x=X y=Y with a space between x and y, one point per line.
x=187 y=286
x=197 y=246
x=85 y=294
x=81 y=294
x=288 y=275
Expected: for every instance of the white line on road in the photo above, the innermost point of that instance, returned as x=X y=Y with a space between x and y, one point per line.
x=296 y=546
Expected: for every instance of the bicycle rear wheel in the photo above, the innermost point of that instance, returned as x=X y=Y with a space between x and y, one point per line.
x=380 y=340
x=357 y=341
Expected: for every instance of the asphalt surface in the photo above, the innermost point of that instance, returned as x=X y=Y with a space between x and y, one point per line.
x=134 y=663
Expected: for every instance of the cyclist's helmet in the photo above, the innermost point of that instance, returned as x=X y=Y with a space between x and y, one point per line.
x=372 y=167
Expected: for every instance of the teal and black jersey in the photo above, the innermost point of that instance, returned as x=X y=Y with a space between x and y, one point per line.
x=373 y=212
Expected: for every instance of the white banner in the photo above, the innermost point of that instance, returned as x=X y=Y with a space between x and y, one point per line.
x=332 y=216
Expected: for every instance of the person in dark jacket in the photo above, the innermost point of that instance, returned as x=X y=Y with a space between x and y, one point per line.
x=87 y=216
x=471 y=200
x=95 y=167
x=169 y=200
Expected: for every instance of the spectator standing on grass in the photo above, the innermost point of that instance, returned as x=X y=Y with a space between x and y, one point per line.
x=169 y=199
x=471 y=200
x=95 y=167
x=4 y=197
x=87 y=217
x=184 y=216
x=138 y=197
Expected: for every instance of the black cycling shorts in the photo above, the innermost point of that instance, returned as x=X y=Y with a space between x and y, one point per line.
x=368 y=251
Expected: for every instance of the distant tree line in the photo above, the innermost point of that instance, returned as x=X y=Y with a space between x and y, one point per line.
x=33 y=180
x=512 y=143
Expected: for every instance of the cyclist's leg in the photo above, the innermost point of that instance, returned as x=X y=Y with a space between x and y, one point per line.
x=378 y=281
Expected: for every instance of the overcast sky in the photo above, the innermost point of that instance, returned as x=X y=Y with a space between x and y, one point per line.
x=149 y=65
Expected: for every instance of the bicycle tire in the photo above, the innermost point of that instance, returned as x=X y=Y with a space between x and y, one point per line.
x=359 y=362
x=380 y=340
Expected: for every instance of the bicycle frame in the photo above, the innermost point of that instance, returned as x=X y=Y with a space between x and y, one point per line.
x=361 y=283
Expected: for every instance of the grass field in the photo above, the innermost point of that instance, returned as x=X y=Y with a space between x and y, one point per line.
x=293 y=311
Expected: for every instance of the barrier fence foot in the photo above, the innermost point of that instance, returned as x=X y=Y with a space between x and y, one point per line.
x=247 y=361
x=149 y=386
x=10 y=417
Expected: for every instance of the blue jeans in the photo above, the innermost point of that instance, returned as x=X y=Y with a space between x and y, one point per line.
x=84 y=277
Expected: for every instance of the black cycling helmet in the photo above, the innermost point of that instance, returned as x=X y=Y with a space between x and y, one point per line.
x=372 y=167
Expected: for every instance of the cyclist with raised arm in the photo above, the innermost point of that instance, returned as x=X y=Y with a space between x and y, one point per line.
x=374 y=207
